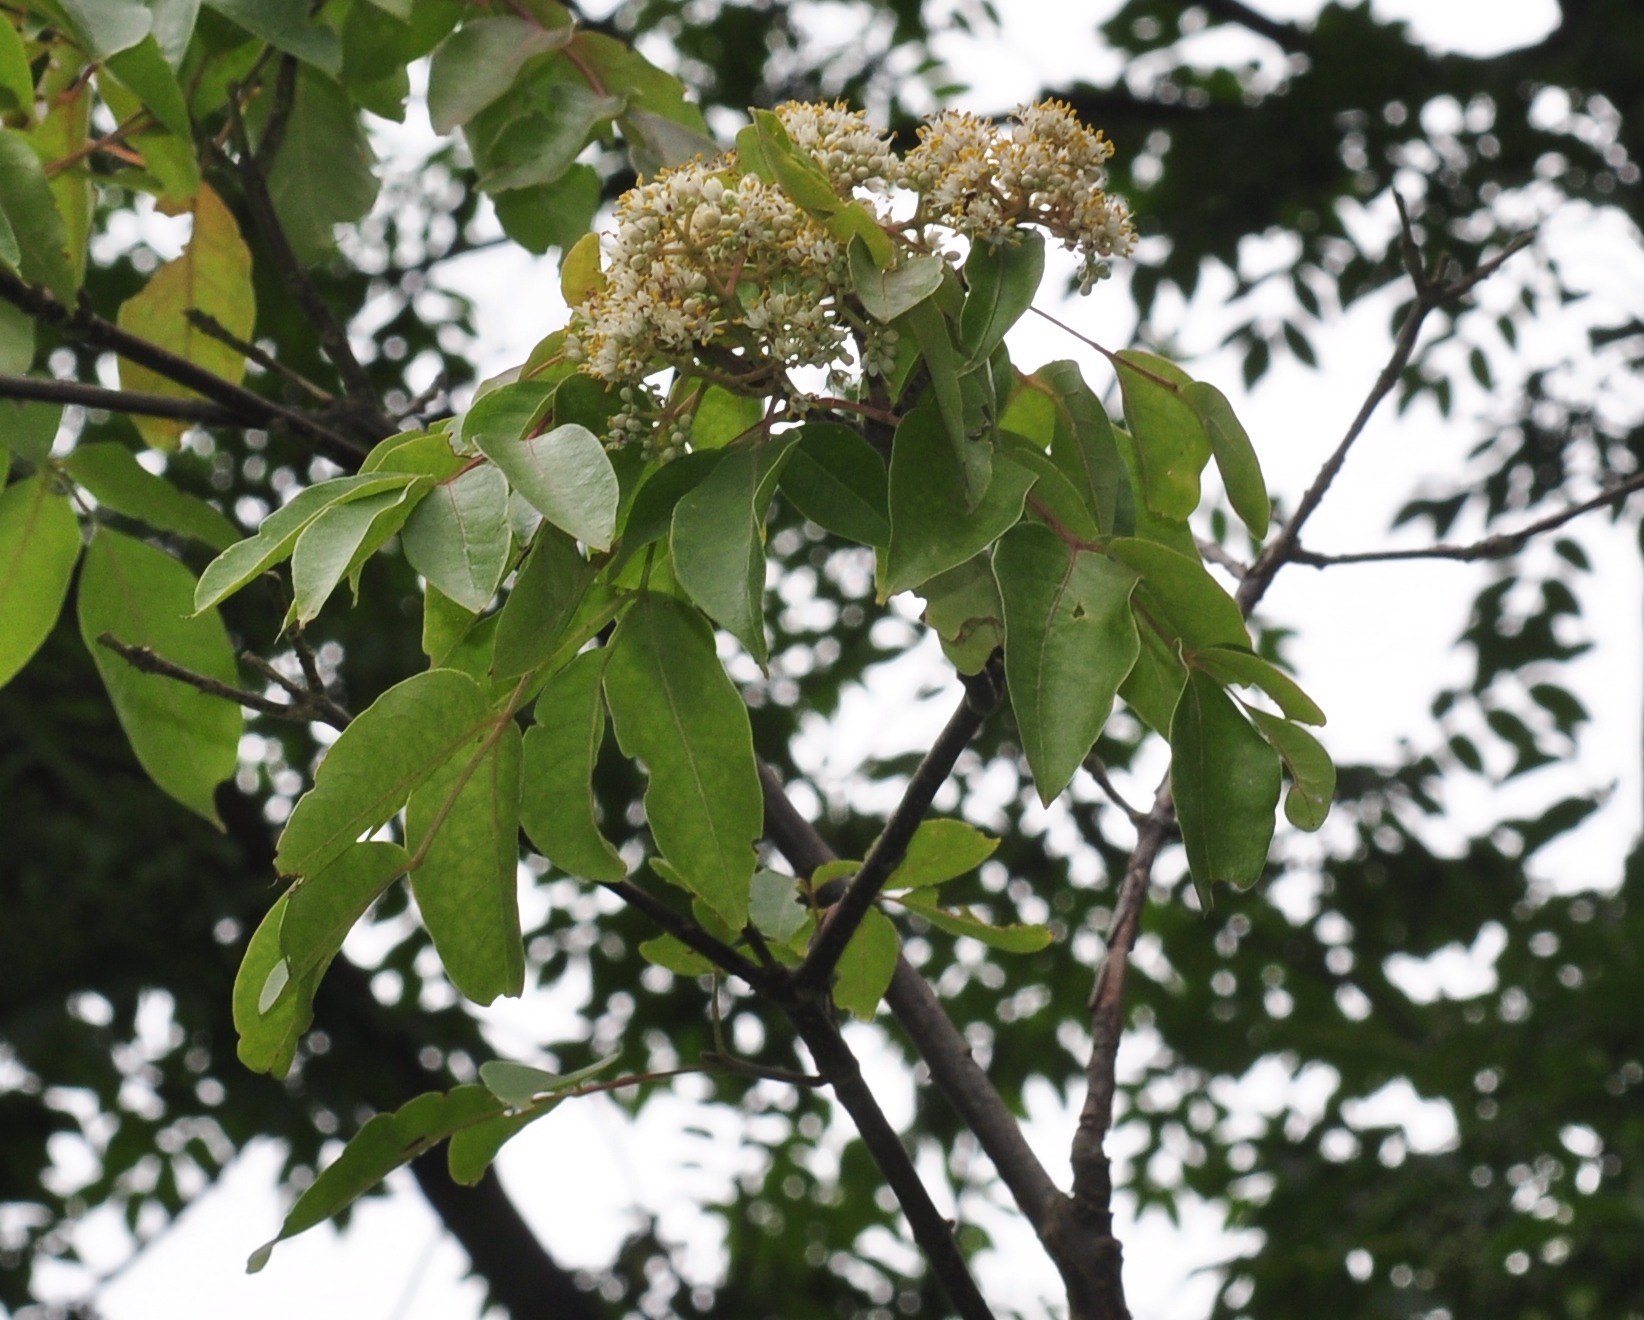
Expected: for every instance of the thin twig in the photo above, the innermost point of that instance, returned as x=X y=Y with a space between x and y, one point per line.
x=688 y=933
x=202 y=411
x=982 y=695
x=1098 y=772
x=207 y=324
x=327 y=710
x=300 y=710
x=248 y=408
x=1216 y=555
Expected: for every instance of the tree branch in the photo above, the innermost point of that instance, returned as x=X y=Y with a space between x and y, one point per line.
x=688 y=933
x=122 y=401
x=207 y=324
x=249 y=408
x=367 y=412
x=1286 y=35
x=303 y=708
x=982 y=695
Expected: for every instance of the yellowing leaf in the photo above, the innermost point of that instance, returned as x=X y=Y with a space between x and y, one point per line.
x=212 y=276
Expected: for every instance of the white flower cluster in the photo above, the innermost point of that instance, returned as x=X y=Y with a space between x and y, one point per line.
x=724 y=275
x=983 y=180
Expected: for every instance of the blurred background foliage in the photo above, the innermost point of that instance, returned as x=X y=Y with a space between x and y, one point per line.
x=124 y=917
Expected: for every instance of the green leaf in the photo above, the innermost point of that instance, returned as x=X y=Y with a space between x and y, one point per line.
x=16 y=78
x=1189 y=602
x=463 y=823
x=565 y=474
x=888 y=294
x=651 y=515
x=1170 y=438
x=518 y=1084
x=552 y=214
x=16 y=330
x=1225 y=780
x=1002 y=280
x=322 y=908
x=10 y=255
x=213 y=275
x=540 y=146
x=275 y=539
x=657 y=142
x=1007 y=939
x=478 y=62
x=853 y=223
x=930 y=328
x=675 y=955
x=31 y=213
x=506 y=413
x=39 y=544
x=1070 y=640
x=188 y=742
x=866 y=966
x=718 y=539
x=385 y=1143
x=119 y=482
x=722 y=417
x=678 y=712
x=1055 y=499
x=774 y=906
x=963 y=607
x=1231 y=666
x=796 y=173
x=285 y=25
x=1312 y=772
x=332 y=545
x=392 y=747
x=1142 y=521
x=625 y=72
x=426 y=453
x=932 y=527
x=547 y=594
x=268 y=1038
x=939 y=851
x=837 y=480
x=557 y=806
x=103 y=27
x=1235 y=455
x=458 y=537
x=322 y=176
x=1155 y=682
x=144 y=71
x=29 y=429
x=473 y=1148
x=1083 y=445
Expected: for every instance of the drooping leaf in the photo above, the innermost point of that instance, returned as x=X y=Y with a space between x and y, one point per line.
x=550 y=588
x=213 y=276
x=286 y=26
x=1235 y=455
x=932 y=529
x=187 y=741
x=557 y=806
x=458 y=537
x=479 y=62
x=930 y=328
x=1083 y=445
x=722 y=417
x=29 y=429
x=392 y=747
x=277 y=535
x=963 y=607
x=113 y=475
x=322 y=908
x=1189 y=602
x=1236 y=666
x=1002 y=279
x=837 y=480
x=1014 y=938
x=385 y=1143
x=1070 y=640
x=676 y=710
x=939 y=851
x=718 y=539
x=36 y=225
x=888 y=294
x=656 y=141
x=1170 y=438
x=1225 y=780
x=566 y=475
x=331 y=545
x=625 y=72
x=322 y=176
x=865 y=968
x=472 y=1148
x=1312 y=772
x=39 y=543
x=462 y=827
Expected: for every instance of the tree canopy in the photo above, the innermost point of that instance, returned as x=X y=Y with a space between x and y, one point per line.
x=196 y=703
